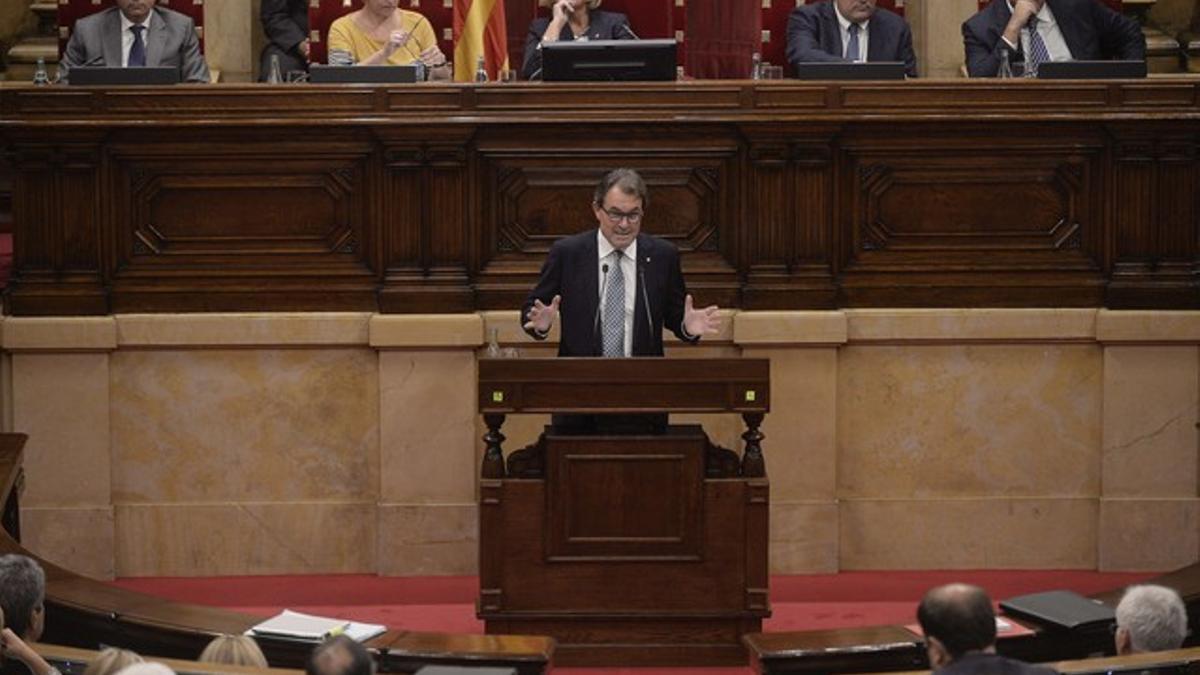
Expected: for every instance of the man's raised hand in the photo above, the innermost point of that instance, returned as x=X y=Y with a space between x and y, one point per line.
x=699 y=322
x=541 y=316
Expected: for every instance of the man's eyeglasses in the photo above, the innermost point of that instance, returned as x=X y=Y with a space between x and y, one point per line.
x=633 y=217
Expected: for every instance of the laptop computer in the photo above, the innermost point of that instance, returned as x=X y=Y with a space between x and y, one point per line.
x=609 y=61
x=842 y=70
x=1092 y=70
x=103 y=76
x=405 y=74
x=1060 y=609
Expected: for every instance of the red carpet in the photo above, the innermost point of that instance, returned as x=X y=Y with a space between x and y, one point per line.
x=446 y=604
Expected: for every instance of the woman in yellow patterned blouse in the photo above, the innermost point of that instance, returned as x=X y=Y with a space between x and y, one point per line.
x=383 y=34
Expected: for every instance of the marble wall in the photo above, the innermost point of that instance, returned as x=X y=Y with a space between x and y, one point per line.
x=255 y=444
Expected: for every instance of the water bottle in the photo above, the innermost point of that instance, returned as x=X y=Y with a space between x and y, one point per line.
x=40 y=78
x=1005 y=71
x=756 y=66
x=275 y=74
x=480 y=71
x=493 y=345
x=422 y=71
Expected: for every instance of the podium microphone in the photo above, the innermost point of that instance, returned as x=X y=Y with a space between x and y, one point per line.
x=646 y=301
x=599 y=304
x=630 y=31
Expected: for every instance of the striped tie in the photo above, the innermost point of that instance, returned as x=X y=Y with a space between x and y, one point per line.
x=612 y=329
x=1038 y=54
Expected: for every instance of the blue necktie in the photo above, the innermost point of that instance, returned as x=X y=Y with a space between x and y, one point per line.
x=612 y=331
x=852 y=46
x=1038 y=53
x=137 y=53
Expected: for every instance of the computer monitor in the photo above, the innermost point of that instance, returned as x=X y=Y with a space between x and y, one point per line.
x=609 y=60
x=322 y=74
x=1092 y=70
x=106 y=76
x=844 y=70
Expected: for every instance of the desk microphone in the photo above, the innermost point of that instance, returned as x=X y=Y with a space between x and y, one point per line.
x=646 y=301
x=630 y=31
x=599 y=304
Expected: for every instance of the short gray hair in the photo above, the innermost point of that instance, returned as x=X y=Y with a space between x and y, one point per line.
x=626 y=180
x=22 y=589
x=1154 y=616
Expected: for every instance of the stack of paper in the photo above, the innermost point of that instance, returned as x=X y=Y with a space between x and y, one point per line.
x=291 y=625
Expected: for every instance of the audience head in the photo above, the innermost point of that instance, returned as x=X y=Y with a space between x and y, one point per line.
x=146 y=668
x=111 y=660
x=618 y=203
x=234 y=650
x=956 y=619
x=136 y=10
x=856 y=11
x=1150 y=619
x=22 y=596
x=340 y=655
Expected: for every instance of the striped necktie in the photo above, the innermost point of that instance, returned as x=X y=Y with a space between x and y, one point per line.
x=137 y=52
x=1038 y=53
x=612 y=329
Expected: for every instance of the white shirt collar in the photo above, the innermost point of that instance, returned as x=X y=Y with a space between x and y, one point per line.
x=126 y=24
x=1045 y=15
x=605 y=249
x=844 y=22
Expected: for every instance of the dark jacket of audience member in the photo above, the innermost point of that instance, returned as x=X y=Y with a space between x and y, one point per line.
x=603 y=26
x=814 y=35
x=285 y=23
x=960 y=634
x=1092 y=31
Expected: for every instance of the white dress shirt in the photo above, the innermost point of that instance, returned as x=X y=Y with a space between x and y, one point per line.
x=864 y=35
x=628 y=262
x=1048 y=28
x=127 y=36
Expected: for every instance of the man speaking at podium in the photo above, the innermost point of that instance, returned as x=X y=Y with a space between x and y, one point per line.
x=616 y=289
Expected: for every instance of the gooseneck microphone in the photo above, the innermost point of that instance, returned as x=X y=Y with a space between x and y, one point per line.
x=630 y=31
x=599 y=304
x=646 y=301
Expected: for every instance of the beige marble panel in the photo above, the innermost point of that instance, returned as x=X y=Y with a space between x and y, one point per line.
x=1010 y=420
x=242 y=425
x=804 y=537
x=228 y=25
x=59 y=334
x=219 y=539
x=427 y=434
x=243 y=330
x=417 y=331
x=62 y=402
x=1151 y=408
x=936 y=26
x=77 y=538
x=800 y=445
x=971 y=325
x=789 y=328
x=968 y=534
x=1149 y=534
x=1153 y=326
x=435 y=539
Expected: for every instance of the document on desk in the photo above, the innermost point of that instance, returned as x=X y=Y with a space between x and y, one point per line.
x=291 y=625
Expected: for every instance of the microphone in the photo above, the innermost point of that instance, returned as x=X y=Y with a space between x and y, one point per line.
x=630 y=31
x=599 y=304
x=646 y=302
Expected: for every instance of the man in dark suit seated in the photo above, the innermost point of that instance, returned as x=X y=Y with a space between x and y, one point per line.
x=849 y=30
x=285 y=23
x=1048 y=30
x=960 y=634
x=616 y=288
x=135 y=33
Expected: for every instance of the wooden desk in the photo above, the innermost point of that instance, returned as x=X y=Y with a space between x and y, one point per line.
x=445 y=198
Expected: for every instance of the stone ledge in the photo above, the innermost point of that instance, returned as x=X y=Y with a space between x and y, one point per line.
x=971 y=325
x=423 y=331
x=243 y=330
x=789 y=328
x=59 y=334
x=1147 y=326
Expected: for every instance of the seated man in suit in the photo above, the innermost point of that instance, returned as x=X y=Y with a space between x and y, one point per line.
x=616 y=289
x=849 y=30
x=1150 y=619
x=960 y=634
x=285 y=23
x=135 y=33
x=1048 y=30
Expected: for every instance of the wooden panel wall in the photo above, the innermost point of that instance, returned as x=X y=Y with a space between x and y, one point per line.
x=445 y=198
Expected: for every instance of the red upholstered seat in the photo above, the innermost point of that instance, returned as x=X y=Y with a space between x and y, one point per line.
x=774 y=26
x=70 y=11
x=322 y=14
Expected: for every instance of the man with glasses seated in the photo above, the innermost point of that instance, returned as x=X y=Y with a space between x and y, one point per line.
x=616 y=288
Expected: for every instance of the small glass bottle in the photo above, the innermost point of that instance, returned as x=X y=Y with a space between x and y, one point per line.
x=493 y=345
x=40 y=77
x=275 y=74
x=756 y=66
x=1005 y=72
x=480 y=71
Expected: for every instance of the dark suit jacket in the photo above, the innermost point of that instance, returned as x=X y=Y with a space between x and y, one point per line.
x=1091 y=30
x=977 y=663
x=286 y=24
x=603 y=26
x=813 y=34
x=171 y=41
x=572 y=271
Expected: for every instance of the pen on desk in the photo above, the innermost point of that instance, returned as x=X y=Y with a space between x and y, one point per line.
x=335 y=631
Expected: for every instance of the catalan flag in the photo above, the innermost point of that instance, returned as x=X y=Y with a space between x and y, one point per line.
x=479 y=30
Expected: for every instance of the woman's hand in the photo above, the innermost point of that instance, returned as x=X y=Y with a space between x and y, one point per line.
x=14 y=647
x=396 y=40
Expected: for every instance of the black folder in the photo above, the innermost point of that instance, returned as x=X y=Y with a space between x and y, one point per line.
x=1061 y=609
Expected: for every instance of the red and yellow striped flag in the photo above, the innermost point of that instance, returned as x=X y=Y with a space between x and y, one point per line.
x=479 y=30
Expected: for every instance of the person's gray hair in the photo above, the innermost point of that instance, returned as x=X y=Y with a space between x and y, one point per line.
x=1154 y=616
x=22 y=589
x=626 y=180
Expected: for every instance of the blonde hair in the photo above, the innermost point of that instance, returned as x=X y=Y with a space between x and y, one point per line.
x=110 y=660
x=592 y=4
x=234 y=650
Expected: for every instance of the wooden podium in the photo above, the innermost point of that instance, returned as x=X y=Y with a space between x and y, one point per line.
x=627 y=549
